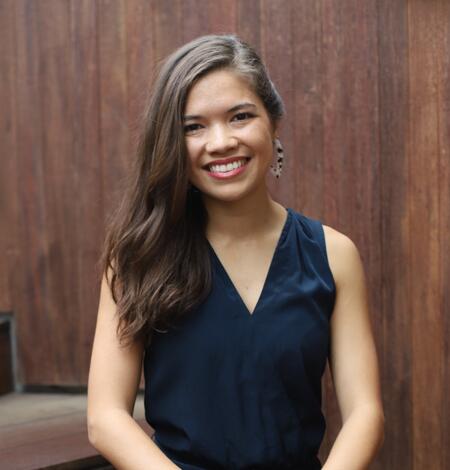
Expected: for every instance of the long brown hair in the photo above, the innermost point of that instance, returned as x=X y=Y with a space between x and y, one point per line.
x=155 y=247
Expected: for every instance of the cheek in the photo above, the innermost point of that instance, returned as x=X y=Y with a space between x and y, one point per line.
x=259 y=131
x=193 y=156
x=260 y=139
x=193 y=152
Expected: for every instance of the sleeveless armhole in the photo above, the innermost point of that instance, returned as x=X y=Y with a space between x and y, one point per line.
x=317 y=228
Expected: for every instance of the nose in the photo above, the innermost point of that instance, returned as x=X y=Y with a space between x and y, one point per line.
x=220 y=140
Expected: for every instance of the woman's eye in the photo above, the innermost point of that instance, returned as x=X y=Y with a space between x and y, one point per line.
x=191 y=127
x=242 y=116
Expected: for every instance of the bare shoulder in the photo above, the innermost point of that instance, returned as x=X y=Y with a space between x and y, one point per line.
x=343 y=256
x=353 y=357
x=337 y=242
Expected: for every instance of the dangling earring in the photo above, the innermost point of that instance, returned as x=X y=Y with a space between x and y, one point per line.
x=277 y=167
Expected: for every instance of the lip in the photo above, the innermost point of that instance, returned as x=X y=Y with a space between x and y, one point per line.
x=224 y=161
x=229 y=174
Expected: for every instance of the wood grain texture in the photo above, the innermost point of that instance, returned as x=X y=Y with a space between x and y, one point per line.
x=8 y=174
x=32 y=290
x=395 y=357
x=426 y=315
x=113 y=83
x=306 y=152
x=169 y=22
x=366 y=135
x=60 y=190
x=443 y=84
x=248 y=22
x=88 y=201
x=49 y=431
x=140 y=35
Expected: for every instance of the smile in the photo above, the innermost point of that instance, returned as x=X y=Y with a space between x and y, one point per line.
x=229 y=170
x=228 y=167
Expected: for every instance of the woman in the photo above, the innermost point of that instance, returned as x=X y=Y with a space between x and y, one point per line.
x=231 y=302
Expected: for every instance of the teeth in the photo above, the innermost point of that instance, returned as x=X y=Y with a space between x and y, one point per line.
x=228 y=167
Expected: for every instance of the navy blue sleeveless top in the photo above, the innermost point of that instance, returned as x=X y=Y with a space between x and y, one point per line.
x=229 y=389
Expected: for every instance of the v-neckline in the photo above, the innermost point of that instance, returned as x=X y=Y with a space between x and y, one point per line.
x=229 y=283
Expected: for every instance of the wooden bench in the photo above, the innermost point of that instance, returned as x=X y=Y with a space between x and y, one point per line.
x=49 y=431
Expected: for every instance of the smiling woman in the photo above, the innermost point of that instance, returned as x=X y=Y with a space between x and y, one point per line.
x=232 y=302
x=226 y=118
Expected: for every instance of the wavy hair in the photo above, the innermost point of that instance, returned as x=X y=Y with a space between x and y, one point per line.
x=155 y=254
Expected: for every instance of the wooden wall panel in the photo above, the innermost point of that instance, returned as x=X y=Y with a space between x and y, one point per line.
x=88 y=196
x=395 y=295
x=113 y=96
x=248 y=15
x=443 y=84
x=427 y=336
x=140 y=17
x=190 y=25
x=366 y=136
x=306 y=153
x=222 y=17
x=51 y=229
x=31 y=282
x=8 y=172
x=168 y=21
x=60 y=230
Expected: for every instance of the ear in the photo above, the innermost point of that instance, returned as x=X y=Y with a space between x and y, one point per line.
x=275 y=126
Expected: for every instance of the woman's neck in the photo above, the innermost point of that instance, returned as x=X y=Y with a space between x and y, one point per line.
x=231 y=222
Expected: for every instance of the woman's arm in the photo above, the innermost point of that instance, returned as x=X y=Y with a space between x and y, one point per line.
x=114 y=377
x=353 y=361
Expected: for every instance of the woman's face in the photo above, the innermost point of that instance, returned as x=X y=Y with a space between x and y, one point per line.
x=224 y=120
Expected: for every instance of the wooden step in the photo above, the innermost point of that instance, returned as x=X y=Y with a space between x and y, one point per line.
x=49 y=431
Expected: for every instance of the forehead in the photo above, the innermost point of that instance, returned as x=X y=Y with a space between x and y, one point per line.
x=219 y=90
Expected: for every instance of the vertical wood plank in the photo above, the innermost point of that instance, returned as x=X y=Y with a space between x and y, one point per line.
x=425 y=315
x=395 y=229
x=444 y=212
x=307 y=150
x=88 y=209
x=59 y=180
x=209 y=18
x=222 y=16
x=248 y=15
x=8 y=174
x=196 y=25
x=114 y=145
x=140 y=64
x=168 y=23
x=443 y=68
x=31 y=287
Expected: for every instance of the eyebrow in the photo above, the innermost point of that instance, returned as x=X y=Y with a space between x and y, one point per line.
x=234 y=108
